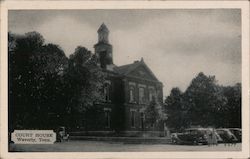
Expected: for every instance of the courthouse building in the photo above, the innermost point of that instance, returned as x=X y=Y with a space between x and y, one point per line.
x=128 y=91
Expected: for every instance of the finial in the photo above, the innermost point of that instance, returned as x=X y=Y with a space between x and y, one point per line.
x=142 y=60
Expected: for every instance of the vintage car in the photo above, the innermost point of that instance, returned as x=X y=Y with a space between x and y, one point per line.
x=217 y=136
x=175 y=139
x=219 y=139
x=226 y=135
x=193 y=136
x=237 y=133
x=62 y=134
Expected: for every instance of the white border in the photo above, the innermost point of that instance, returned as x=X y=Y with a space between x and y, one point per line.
x=7 y=5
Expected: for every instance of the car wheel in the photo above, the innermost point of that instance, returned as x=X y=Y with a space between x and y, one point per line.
x=195 y=142
x=176 y=142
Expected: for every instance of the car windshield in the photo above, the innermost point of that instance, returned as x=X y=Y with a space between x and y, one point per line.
x=220 y=131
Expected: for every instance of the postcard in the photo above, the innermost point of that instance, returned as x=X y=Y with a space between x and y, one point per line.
x=123 y=79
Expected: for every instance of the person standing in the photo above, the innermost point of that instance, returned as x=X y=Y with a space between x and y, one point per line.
x=210 y=139
x=214 y=137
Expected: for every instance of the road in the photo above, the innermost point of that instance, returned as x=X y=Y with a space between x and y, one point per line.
x=105 y=146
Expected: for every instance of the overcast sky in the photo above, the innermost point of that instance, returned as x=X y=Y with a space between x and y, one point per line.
x=175 y=44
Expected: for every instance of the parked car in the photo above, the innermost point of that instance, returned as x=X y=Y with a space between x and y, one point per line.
x=217 y=136
x=62 y=134
x=175 y=139
x=237 y=132
x=219 y=139
x=190 y=136
x=226 y=135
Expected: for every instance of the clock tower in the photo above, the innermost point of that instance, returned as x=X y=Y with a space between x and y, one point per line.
x=103 y=49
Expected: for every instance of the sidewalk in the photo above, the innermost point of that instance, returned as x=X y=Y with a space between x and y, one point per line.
x=104 y=146
x=128 y=140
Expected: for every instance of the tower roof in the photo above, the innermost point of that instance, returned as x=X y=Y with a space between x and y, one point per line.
x=103 y=28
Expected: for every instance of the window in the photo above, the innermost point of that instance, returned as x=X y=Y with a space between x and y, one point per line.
x=141 y=95
x=133 y=118
x=107 y=118
x=142 y=117
x=131 y=95
x=103 y=56
x=151 y=94
x=107 y=91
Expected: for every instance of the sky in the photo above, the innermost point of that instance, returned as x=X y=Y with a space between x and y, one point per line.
x=176 y=44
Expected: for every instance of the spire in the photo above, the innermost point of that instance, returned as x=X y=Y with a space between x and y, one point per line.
x=103 y=28
x=103 y=49
x=103 y=34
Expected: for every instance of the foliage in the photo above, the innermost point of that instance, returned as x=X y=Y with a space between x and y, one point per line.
x=175 y=110
x=154 y=113
x=204 y=99
x=84 y=80
x=204 y=103
x=34 y=78
x=232 y=111
x=45 y=87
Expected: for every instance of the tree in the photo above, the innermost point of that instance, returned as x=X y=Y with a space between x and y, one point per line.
x=232 y=111
x=34 y=75
x=175 y=110
x=21 y=50
x=50 y=64
x=154 y=113
x=204 y=99
x=84 y=82
x=204 y=103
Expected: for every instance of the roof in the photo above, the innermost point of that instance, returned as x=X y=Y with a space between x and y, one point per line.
x=103 y=27
x=126 y=69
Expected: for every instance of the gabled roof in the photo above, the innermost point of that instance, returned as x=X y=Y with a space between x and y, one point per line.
x=126 y=69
